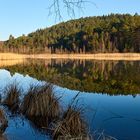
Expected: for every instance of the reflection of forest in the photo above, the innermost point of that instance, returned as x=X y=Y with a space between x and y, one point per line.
x=113 y=77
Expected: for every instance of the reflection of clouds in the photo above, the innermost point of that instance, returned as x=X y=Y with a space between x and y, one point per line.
x=4 y=79
x=24 y=82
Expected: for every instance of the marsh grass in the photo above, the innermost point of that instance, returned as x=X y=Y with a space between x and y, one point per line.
x=41 y=106
x=12 y=97
x=71 y=125
x=3 y=122
x=103 y=136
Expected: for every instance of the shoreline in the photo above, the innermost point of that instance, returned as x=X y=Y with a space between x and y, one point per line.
x=98 y=56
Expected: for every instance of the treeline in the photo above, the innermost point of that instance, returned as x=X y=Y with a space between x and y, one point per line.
x=102 y=34
x=1 y=44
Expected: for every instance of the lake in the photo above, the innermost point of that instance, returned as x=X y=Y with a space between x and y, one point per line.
x=109 y=92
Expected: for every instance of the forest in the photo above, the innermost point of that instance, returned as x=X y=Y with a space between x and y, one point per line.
x=114 y=33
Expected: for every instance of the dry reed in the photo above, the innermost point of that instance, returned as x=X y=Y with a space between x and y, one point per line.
x=3 y=122
x=12 y=97
x=41 y=106
x=71 y=125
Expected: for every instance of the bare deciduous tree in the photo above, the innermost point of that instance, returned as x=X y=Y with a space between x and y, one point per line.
x=57 y=7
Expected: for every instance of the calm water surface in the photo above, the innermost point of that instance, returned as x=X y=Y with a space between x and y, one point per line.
x=109 y=92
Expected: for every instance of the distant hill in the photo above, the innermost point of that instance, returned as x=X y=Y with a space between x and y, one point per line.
x=102 y=34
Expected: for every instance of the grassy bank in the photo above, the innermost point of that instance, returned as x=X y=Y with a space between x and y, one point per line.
x=99 y=56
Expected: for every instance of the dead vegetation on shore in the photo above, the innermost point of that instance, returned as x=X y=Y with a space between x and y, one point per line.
x=98 y=56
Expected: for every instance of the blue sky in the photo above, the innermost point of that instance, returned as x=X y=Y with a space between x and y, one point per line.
x=19 y=17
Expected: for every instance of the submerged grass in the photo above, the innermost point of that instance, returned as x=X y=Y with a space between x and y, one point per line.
x=12 y=97
x=40 y=105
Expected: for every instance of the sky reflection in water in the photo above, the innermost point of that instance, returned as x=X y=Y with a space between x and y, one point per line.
x=118 y=116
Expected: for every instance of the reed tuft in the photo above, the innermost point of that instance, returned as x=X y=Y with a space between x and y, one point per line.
x=71 y=124
x=40 y=105
x=12 y=97
x=3 y=122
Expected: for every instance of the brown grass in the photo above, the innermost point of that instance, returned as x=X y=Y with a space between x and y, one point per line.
x=98 y=56
x=11 y=56
x=3 y=122
x=11 y=62
x=12 y=97
x=71 y=125
x=41 y=106
x=43 y=109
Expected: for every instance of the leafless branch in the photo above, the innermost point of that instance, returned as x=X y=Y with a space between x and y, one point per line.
x=58 y=7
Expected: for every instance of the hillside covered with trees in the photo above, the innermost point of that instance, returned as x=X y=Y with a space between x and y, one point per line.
x=102 y=34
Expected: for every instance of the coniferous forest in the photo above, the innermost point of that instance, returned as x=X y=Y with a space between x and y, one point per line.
x=114 y=33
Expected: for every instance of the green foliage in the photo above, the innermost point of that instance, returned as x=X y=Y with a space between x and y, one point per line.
x=113 y=33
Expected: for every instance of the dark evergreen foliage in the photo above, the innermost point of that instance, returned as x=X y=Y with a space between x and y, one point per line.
x=113 y=33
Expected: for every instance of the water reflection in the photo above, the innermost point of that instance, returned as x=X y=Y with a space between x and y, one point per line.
x=112 y=77
x=11 y=62
x=19 y=128
x=117 y=116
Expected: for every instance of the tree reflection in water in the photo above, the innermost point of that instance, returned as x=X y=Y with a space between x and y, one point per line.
x=111 y=77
